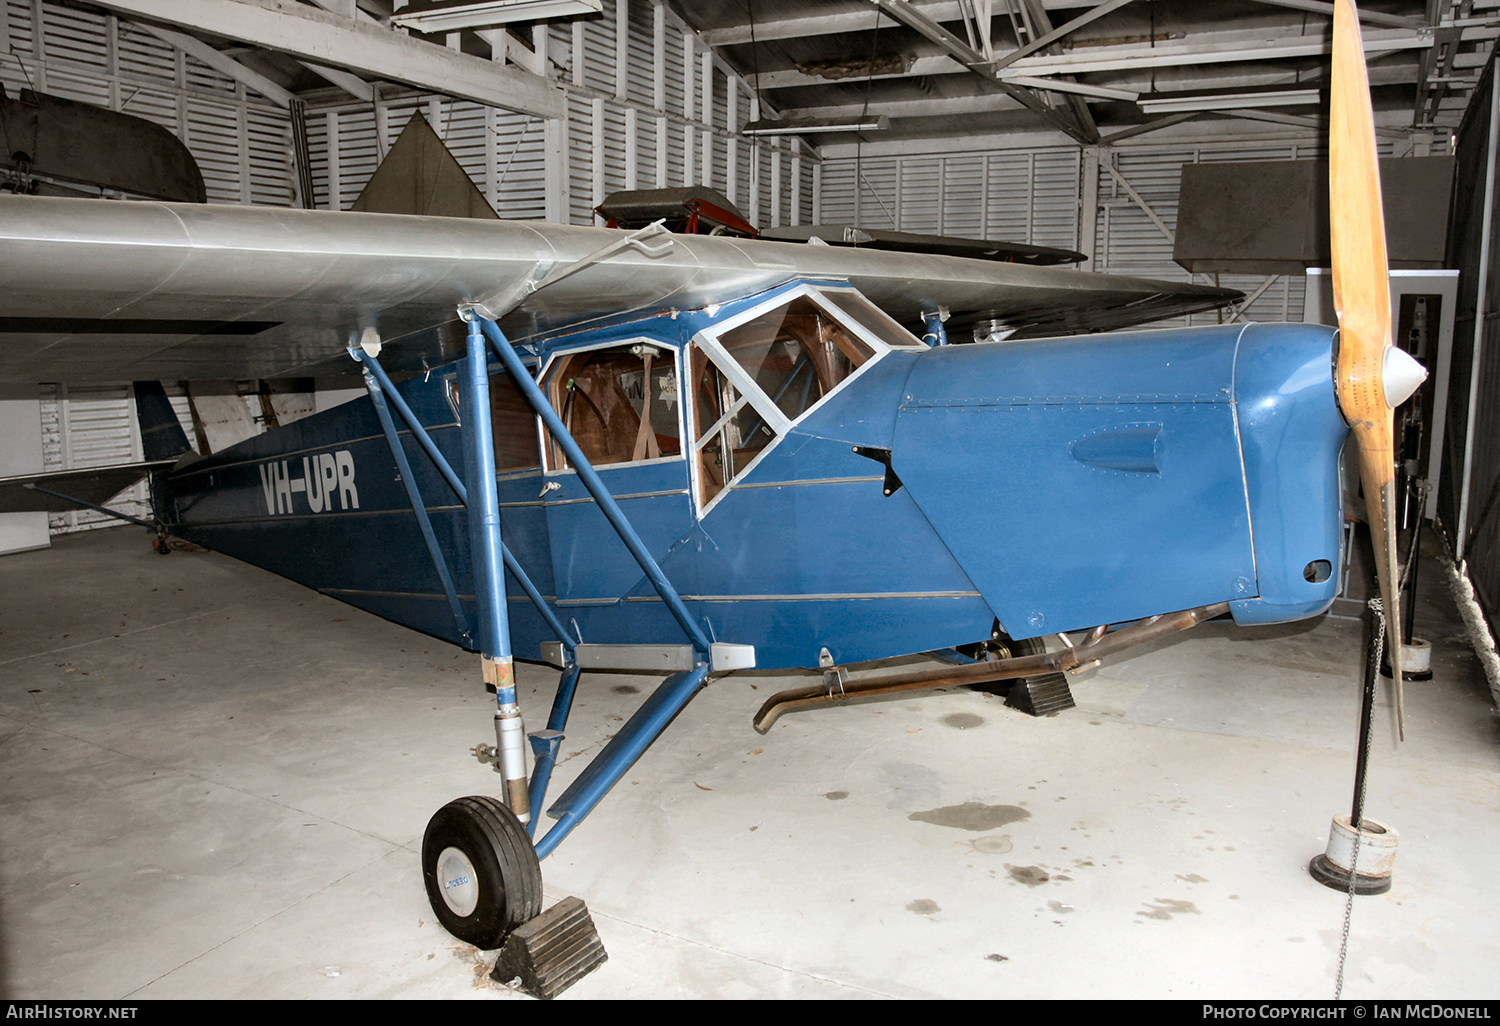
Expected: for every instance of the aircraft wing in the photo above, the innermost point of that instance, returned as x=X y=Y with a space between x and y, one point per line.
x=103 y=290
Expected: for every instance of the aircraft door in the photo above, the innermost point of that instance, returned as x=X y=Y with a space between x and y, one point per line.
x=621 y=403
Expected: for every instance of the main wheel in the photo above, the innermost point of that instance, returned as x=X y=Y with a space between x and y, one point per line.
x=482 y=875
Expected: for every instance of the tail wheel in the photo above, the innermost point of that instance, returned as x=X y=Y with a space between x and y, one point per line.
x=1002 y=646
x=482 y=875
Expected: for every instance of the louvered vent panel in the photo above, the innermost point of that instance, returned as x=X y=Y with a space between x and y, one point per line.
x=614 y=146
x=581 y=159
x=599 y=49
x=921 y=189
x=213 y=133
x=90 y=427
x=641 y=89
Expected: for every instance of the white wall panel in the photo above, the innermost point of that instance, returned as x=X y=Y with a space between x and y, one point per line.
x=84 y=54
x=670 y=150
x=1033 y=196
x=21 y=427
x=91 y=427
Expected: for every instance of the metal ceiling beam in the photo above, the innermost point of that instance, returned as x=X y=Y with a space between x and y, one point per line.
x=1080 y=128
x=223 y=63
x=1088 y=131
x=936 y=64
x=354 y=45
x=345 y=80
x=958 y=102
x=1207 y=48
x=1067 y=125
x=1058 y=33
x=950 y=10
x=1150 y=126
x=853 y=21
x=1068 y=85
x=1316 y=124
x=913 y=17
x=979 y=103
x=1326 y=8
x=1205 y=51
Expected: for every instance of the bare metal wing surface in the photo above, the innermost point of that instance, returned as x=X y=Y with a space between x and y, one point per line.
x=108 y=290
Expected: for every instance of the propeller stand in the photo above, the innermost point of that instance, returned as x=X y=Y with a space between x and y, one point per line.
x=1361 y=850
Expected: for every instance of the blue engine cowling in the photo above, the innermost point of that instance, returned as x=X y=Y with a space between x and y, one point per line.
x=1105 y=478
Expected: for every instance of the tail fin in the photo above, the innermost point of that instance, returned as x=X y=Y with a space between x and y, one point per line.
x=162 y=437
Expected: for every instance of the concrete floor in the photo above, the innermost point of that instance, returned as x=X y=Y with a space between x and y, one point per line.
x=215 y=785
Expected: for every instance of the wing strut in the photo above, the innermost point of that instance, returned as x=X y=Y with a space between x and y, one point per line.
x=376 y=389
x=579 y=799
x=589 y=477
x=494 y=633
x=419 y=432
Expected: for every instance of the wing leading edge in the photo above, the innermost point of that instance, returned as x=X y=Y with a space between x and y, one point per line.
x=106 y=290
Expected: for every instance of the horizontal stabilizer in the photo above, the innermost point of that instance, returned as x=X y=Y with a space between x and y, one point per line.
x=91 y=486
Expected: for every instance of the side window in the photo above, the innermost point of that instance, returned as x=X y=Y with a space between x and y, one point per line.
x=512 y=420
x=620 y=404
x=796 y=353
x=728 y=431
x=514 y=424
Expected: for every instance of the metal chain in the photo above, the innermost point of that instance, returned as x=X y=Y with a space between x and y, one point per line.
x=1376 y=610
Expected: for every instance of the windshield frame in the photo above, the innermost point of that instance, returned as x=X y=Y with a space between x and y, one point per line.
x=708 y=339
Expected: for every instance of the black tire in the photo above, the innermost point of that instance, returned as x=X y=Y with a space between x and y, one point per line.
x=480 y=837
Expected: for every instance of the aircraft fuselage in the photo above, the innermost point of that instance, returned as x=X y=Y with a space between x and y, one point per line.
x=1053 y=485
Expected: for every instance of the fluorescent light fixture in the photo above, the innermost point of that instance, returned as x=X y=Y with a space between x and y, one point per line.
x=1229 y=101
x=453 y=15
x=800 y=125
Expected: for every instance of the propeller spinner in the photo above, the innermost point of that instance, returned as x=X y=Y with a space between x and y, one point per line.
x=1373 y=376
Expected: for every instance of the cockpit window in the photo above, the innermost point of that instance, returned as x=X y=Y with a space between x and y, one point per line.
x=757 y=372
x=730 y=431
x=620 y=404
x=873 y=319
x=796 y=353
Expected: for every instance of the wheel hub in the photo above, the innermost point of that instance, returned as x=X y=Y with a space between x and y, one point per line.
x=458 y=881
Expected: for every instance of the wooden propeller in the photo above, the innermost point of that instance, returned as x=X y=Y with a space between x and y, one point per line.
x=1374 y=377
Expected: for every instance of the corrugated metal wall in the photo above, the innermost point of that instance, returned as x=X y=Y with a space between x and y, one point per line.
x=502 y=152
x=91 y=427
x=1028 y=196
x=240 y=141
x=649 y=109
x=1034 y=196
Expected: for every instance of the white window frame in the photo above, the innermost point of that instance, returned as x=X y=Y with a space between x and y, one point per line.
x=708 y=340
x=541 y=382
